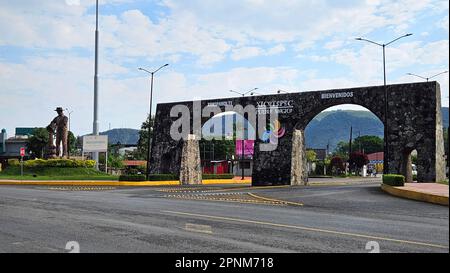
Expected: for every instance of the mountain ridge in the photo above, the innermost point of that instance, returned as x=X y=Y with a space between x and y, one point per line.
x=328 y=127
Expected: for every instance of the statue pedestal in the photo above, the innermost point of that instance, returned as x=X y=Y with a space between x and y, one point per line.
x=50 y=152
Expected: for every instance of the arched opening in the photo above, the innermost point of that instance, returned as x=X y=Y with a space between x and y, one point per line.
x=409 y=165
x=344 y=140
x=227 y=147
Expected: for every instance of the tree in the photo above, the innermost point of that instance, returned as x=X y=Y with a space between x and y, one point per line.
x=311 y=156
x=115 y=161
x=368 y=144
x=341 y=149
x=37 y=142
x=142 y=147
x=358 y=159
x=337 y=164
x=221 y=148
x=71 y=142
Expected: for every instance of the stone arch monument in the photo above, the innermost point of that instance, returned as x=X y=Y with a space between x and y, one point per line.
x=414 y=121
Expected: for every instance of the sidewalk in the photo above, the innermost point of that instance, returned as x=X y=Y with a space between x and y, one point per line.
x=428 y=192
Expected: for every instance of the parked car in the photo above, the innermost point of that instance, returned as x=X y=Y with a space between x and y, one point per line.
x=414 y=169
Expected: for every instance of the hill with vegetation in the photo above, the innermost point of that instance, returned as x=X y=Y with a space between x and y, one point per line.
x=330 y=127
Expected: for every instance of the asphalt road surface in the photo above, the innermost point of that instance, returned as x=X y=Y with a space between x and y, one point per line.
x=321 y=218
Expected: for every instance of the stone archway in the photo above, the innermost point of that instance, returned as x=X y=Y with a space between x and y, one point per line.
x=414 y=120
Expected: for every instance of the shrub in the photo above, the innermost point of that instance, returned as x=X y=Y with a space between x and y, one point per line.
x=163 y=177
x=134 y=177
x=394 y=180
x=218 y=176
x=65 y=163
x=414 y=177
x=13 y=162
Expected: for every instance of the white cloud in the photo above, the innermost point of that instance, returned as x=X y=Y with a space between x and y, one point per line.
x=252 y=51
x=443 y=23
x=245 y=52
x=334 y=45
x=276 y=50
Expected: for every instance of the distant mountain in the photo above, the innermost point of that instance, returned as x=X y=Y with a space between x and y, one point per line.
x=327 y=127
x=445 y=116
x=334 y=126
x=122 y=135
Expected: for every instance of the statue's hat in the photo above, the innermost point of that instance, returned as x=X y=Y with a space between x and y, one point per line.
x=58 y=109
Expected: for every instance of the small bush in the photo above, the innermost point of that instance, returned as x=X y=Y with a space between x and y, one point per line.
x=218 y=176
x=394 y=180
x=134 y=177
x=65 y=163
x=414 y=177
x=13 y=162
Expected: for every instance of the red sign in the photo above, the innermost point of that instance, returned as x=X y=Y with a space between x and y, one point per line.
x=22 y=151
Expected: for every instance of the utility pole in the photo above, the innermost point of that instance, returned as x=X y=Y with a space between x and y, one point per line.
x=350 y=142
x=96 y=123
x=386 y=112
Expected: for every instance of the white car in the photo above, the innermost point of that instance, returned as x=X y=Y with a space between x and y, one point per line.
x=414 y=169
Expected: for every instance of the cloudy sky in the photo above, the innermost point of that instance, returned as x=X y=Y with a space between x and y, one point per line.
x=47 y=57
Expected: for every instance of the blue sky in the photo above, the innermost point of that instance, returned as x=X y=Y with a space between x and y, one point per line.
x=46 y=52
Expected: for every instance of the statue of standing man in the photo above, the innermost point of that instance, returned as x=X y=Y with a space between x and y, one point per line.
x=59 y=123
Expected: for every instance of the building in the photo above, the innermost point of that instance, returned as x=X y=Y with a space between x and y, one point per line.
x=375 y=162
x=10 y=147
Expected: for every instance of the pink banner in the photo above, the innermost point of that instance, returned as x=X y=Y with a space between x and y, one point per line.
x=248 y=147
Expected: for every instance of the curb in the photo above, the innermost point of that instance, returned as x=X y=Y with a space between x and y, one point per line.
x=416 y=195
x=120 y=183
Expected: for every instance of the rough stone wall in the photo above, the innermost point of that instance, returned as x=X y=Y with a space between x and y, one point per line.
x=414 y=123
x=190 y=170
x=298 y=166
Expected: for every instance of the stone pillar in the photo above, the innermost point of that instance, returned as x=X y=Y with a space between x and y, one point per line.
x=407 y=167
x=298 y=159
x=440 y=150
x=191 y=169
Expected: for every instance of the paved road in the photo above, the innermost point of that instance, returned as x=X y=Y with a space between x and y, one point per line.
x=218 y=219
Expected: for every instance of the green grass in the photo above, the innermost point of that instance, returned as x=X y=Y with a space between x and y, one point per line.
x=55 y=173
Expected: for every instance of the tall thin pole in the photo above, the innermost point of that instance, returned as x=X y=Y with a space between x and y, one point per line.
x=149 y=144
x=384 y=63
x=350 y=142
x=96 y=123
x=386 y=127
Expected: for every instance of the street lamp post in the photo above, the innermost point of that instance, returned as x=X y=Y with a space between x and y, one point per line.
x=69 y=116
x=427 y=78
x=242 y=141
x=386 y=161
x=68 y=141
x=95 y=129
x=150 y=116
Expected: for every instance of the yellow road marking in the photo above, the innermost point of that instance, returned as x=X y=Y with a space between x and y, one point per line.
x=243 y=201
x=275 y=200
x=308 y=229
x=251 y=188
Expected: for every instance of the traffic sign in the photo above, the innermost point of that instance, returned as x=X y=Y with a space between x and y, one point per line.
x=22 y=151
